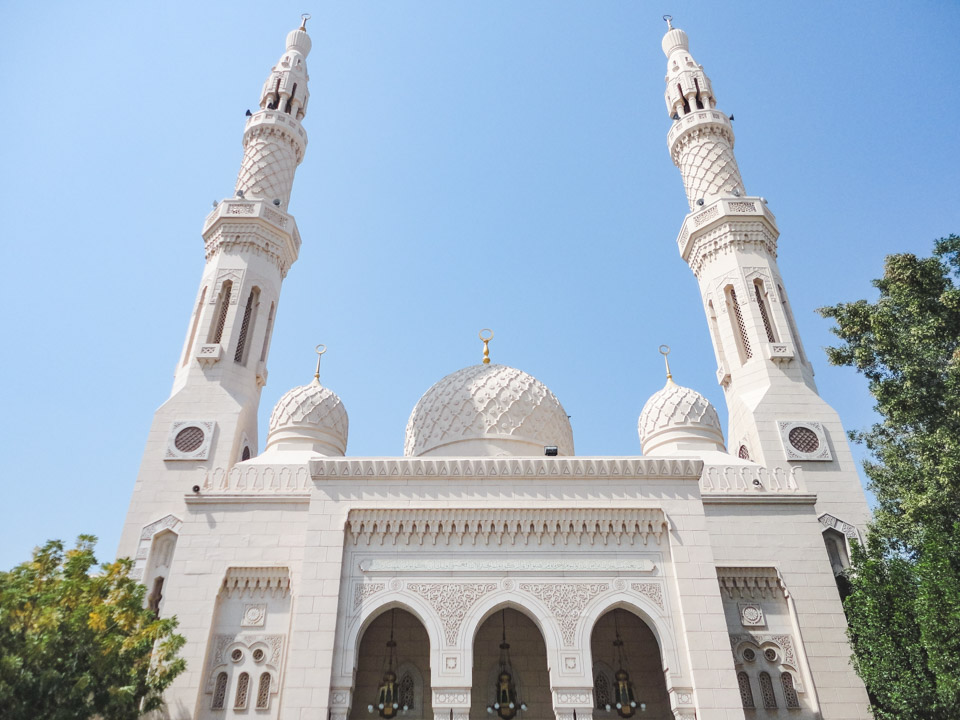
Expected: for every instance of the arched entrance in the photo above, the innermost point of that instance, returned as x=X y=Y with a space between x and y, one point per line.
x=410 y=664
x=639 y=656
x=527 y=657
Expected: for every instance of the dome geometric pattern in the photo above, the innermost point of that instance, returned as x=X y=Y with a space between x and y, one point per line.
x=485 y=402
x=676 y=406
x=311 y=405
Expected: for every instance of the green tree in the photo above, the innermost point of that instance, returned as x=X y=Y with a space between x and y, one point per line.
x=904 y=606
x=76 y=644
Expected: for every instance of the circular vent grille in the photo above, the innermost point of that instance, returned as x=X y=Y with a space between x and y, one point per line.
x=804 y=440
x=189 y=439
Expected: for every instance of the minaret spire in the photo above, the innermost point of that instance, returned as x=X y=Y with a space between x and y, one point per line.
x=729 y=240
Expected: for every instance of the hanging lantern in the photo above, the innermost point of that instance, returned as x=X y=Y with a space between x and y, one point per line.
x=506 y=705
x=624 y=697
x=388 y=695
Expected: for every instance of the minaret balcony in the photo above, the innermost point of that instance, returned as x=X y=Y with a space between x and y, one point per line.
x=726 y=219
x=280 y=121
x=698 y=120
x=263 y=224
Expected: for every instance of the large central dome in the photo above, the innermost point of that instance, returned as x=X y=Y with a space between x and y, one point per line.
x=488 y=410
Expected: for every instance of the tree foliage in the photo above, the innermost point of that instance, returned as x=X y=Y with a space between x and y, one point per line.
x=904 y=606
x=76 y=644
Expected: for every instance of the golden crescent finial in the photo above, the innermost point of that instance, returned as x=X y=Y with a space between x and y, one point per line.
x=320 y=350
x=665 y=350
x=486 y=344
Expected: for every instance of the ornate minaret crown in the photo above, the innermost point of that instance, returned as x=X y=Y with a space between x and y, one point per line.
x=729 y=240
x=703 y=146
x=274 y=141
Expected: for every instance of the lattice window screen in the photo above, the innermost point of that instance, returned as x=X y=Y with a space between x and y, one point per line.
x=746 y=692
x=243 y=687
x=601 y=691
x=407 y=687
x=219 y=692
x=766 y=691
x=741 y=326
x=765 y=316
x=225 y=293
x=789 y=691
x=263 y=692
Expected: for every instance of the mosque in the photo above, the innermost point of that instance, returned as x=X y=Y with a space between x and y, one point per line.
x=491 y=572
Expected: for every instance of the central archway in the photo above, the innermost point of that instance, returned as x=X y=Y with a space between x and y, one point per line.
x=641 y=659
x=528 y=656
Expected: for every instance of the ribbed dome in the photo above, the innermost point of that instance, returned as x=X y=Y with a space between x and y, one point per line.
x=309 y=417
x=488 y=410
x=673 y=40
x=676 y=419
x=299 y=40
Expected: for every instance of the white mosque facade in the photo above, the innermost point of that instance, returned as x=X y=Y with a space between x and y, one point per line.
x=490 y=572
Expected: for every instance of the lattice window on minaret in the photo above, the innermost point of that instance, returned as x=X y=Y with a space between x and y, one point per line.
x=746 y=692
x=768 y=327
x=219 y=692
x=266 y=334
x=246 y=326
x=789 y=691
x=243 y=689
x=739 y=327
x=743 y=453
x=220 y=317
x=263 y=692
x=766 y=691
x=193 y=327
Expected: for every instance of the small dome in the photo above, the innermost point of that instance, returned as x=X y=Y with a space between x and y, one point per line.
x=299 y=40
x=488 y=410
x=675 y=39
x=309 y=417
x=676 y=420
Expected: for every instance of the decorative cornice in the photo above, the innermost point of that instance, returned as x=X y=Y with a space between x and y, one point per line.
x=751 y=582
x=727 y=223
x=254 y=226
x=757 y=499
x=521 y=467
x=495 y=526
x=256 y=580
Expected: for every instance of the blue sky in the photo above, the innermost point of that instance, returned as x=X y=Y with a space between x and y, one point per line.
x=487 y=164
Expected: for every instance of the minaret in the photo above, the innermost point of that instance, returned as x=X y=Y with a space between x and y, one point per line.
x=729 y=239
x=250 y=241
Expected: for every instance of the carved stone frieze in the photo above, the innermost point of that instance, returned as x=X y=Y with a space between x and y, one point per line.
x=781 y=640
x=483 y=526
x=451 y=696
x=751 y=582
x=395 y=564
x=653 y=591
x=850 y=531
x=451 y=601
x=365 y=590
x=566 y=602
